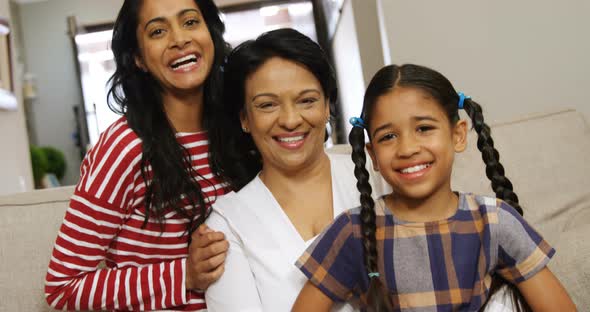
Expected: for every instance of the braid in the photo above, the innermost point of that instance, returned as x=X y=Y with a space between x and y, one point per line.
x=377 y=298
x=494 y=169
x=503 y=189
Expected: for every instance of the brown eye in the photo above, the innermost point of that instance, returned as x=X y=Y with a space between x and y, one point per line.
x=266 y=106
x=425 y=128
x=191 y=22
x=387 y=137
x=156 y=32
x=309 y=100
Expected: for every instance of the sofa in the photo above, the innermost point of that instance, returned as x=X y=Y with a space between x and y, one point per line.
x=544 y=156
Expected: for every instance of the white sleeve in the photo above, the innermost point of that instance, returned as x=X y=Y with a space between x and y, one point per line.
x=236 y=289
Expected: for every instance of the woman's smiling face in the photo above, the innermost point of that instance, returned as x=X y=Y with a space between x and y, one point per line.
x=286 y=112
x=175 y=44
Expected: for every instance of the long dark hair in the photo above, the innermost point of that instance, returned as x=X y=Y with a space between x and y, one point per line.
x=441 y=89
x=138 y=96
x=234 y=156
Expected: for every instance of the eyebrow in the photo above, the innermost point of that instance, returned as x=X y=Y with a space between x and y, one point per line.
x=421 y=118
x=416 y=118
x=263 y=94
x=162 y=19
x=275 y=96
x=387 y=125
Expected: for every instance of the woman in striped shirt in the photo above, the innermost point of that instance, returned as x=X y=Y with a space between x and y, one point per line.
x=146 y=185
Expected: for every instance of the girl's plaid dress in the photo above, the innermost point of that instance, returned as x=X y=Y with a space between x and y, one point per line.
x=435 y=266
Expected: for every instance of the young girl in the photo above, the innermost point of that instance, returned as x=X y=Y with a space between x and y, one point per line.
x=426 y=248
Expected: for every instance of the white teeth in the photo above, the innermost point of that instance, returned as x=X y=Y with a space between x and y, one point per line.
x=183 y=66
x=190 y=57
x=415 y=168
x=291 y=139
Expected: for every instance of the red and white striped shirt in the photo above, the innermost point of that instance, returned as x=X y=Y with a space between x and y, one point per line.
x=145 y=267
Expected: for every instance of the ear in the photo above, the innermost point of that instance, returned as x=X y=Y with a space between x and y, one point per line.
x=327 y=112
x=369 y=147
x=244 y=121
x=460 y=136
x=139 y=63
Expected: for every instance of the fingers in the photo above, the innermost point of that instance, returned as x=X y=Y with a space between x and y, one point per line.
x=211 y=264
x=207 y=254
x=206 y=279
x=203 y=229
x=212 y=250
x=203 y=237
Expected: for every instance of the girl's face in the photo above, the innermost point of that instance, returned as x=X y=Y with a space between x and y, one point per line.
x=174 y=43
x=413 y=143
x=285 y=111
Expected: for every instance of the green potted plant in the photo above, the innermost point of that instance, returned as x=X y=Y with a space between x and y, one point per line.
x=49 y=166
x=39 y=164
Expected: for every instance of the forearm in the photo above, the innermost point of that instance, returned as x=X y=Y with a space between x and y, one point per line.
x=155 y=286
x=544 y=292
x=74 y=281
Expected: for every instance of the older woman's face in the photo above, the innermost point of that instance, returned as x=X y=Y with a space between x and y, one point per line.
x=286 y=112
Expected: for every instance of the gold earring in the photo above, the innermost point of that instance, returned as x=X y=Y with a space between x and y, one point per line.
x=245 y=129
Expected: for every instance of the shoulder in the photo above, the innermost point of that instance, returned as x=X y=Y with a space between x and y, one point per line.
x=218 y=220
x=226 y=204
x=235 y=214
x=490 y=205
x=343 y=226
x=118 y=140
x=484 y=204
x=339 y=232
x=114 y=156
x=236 y=205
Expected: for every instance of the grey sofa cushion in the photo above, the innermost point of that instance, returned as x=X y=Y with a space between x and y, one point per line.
x=28 y=227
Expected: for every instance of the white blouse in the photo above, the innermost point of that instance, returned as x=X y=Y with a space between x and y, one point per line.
x=260 y=272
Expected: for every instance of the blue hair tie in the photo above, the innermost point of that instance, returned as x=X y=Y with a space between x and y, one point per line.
x=373 y=274
x=462 y=98
x=357 y=122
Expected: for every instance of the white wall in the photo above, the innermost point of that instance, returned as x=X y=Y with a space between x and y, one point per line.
x=348 y=66
x=15 y=168
x=49 y=56
x=358 y=53
x=369 y=45
x=514 y=57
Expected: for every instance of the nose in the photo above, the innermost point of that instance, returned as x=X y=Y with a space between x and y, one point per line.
x=407 y=146
x=179 y=38
x=290 y=117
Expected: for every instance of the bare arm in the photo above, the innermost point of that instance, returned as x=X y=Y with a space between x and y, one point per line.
x=312 y=298
x=544 y=292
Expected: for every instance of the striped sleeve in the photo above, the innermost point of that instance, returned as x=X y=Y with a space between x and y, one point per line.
x=522 y=252
x=95 y=215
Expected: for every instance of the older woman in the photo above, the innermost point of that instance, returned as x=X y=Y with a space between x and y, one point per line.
x=269 y=144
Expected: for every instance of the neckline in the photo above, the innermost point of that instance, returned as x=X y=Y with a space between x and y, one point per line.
x=185 y=134
x=387 y=212
x=281 y=213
